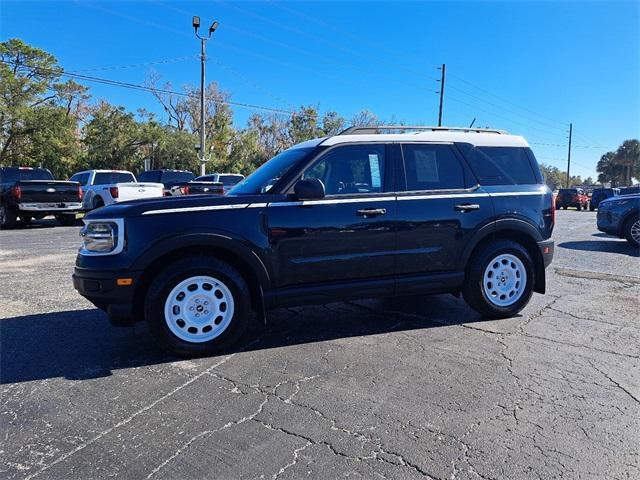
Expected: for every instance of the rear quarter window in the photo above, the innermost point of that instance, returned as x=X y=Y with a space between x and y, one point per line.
x=502 y=165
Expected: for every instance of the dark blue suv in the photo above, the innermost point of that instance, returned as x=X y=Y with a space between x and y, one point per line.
x=372 y=212
x=620 y=216
x=600 y=194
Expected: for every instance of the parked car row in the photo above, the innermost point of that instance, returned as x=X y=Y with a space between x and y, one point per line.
x=32 y=193
x=578 y=198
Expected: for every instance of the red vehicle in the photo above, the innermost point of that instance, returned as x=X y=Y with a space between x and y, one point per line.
x=572 y=197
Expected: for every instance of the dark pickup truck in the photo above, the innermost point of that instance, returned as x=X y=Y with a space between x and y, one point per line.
x=197 y=187
x=173 y=180
x=32 y=193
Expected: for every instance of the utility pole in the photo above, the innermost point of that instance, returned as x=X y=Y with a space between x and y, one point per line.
x=202 y=156
x=569 y=155
x=443 y=68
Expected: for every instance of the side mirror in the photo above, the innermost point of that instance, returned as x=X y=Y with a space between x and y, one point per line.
x=309 y=189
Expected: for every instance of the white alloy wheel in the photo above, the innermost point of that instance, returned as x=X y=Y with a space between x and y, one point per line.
x=199 y=309
x=635 y=231
x=504 y=280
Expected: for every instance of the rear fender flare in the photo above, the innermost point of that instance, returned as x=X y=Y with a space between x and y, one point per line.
x=509 y=224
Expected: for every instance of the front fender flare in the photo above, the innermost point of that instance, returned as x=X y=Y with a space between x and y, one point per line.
x=236 y=246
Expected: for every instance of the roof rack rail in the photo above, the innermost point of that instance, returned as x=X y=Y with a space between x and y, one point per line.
x=378 y=129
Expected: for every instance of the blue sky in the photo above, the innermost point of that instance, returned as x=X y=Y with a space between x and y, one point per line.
x=527 y=67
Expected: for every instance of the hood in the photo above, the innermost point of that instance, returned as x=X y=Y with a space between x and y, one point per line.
x=134 y=208
x=631 y=197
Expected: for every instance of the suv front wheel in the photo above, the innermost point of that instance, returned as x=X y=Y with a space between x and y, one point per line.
x=197 y=306
x=499 y=280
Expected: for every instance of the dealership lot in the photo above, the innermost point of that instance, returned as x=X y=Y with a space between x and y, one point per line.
x=403 y=388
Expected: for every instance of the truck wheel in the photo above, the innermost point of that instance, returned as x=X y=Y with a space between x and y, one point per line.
x=499 y=280
x=7 y=217
x=197 y=306
x=97 y=203
x=632 y=231
x=25 y=220
x=66 y=220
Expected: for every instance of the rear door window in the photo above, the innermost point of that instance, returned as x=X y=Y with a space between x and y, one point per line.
x=432 y=167
x=502 y=165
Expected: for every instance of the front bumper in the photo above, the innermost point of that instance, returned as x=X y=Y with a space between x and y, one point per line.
x=102 y=289
x=50 y=207
x=608 y=221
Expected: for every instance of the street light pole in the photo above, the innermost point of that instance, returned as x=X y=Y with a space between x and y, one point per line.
x=202 y=155
x=442 y=80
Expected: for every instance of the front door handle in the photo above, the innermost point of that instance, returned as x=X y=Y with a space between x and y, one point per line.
x=466 y=207
x=371 y=212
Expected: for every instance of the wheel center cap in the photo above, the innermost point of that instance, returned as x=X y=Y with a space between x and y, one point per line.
x=199 y=308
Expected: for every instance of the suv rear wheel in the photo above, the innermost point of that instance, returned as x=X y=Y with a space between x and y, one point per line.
x=197 y=306
x=499 y=280
x=632 y=231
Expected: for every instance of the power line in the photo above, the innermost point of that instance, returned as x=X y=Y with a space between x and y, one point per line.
x=563 y=124
x=136 y=65
x=135 y=86
x=475 y=107
x=458 y=89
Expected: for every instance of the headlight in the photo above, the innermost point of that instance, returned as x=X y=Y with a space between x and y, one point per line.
x=102 y=237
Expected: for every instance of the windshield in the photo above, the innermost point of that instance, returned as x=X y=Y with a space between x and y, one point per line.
x=269 y=172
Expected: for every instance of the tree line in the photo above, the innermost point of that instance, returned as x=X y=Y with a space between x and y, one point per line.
x=51 y=122
x=48 y=122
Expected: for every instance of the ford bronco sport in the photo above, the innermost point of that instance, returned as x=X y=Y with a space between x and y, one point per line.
x=371 y=212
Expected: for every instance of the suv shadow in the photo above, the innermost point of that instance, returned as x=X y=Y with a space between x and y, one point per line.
x=610 y=246
x=81 y=344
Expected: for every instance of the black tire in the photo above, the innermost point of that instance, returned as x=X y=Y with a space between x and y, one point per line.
x=473 y=289
x=8 y=217
x=25 y=220
x=172 y=276
x=97 y=202
x=591 y=208
x=629 y=228
x=66 y=220
x=578 y=207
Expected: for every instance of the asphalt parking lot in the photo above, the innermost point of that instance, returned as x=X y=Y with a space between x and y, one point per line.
x=404 y=388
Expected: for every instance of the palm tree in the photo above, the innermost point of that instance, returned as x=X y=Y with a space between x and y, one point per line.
x=609 y=171
x=628 y=155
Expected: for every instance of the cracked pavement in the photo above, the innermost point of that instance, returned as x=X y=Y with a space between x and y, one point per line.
x=400 y=388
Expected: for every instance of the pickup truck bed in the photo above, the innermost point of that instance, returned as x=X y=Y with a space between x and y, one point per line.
x=28 y=193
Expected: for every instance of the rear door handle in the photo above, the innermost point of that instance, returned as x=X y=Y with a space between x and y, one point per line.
x=371 y=212
x=466 y=207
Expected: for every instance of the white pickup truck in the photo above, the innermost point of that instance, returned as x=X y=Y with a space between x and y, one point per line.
x=104 y=187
